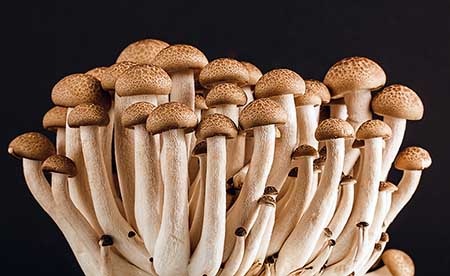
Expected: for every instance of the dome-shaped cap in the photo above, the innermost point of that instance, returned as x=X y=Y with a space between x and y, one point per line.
x=398 y=101
x=373 y=129
x=76 y=89
x=254 y=74
x=59 y=164
x=333 y=128
x=353 y=74
x=143 y=79
x=262 y=112
x=216 y=125
x=113 y=72
x=142 y=51
x=88 y=115
x=170 y=116
x=31 y=145
x=412 y=159
x=97 y=72
x=279 y=82
x=307 y=99
x=386 y=186
x=226 y=93
x=316 y=87
x=180 y=57
x=398 y=263
x=200 y=102
x=305 y=151
x=224 y=70
x=200 y=148
x=136 y=114
x=55 y=118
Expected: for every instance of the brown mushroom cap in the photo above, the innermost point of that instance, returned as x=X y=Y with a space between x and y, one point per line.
x=386 y=186
x=347 y=180
x=412 y=159
x=31 y=145
x=373 y=129
x=55 y=118
x=180 y=57
x=97 y=72
x=113 y=72
x=200 y=148
x=200 y=102
x=254 y=73
x=142 y=51
x=143 y=79
x=353 y=74
x=216 y=125
x=77 y=89
x=398 y=101
x=267 y=200
x=333 y=128
x=279 y=82
x=262 y=112
x=170 y=116
x=305 y=151
x=224 y=70
x=88 y=115
x=398 y=262
x=136 y=114
x=226 y=93
x=240 y=232
x=307 y=99
x=59 y=164
x=316 y=87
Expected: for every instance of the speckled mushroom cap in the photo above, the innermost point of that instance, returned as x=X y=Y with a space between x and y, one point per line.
x=353 y=74
x=262 y=112
x=316 y=87
x=55 y=118
x=279 y=82
x=113 y=72
x=412 y=159
x=373 y=129
x=224 y=70
x=398 y=263
x=254 y=74
x=216 y=125
x=180 y=57
x=307 y=99
x=76 y=89
x=59 y=164
x=88 y=115
x=170 y=116
x=142 y=51
x=97 y=72
x=136 y=114
x=398 y=101
x=386 y=186
x=200 y=148
x=143 y=79
x=200 y=102
x=226 y=93
x=31 y=145
x=305 y=151
x=333 y=128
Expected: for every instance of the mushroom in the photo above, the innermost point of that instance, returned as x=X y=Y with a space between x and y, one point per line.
x=396 y=263
x=172 y=248
x=142 y=51
x=55 y=120
x=300 y=244
x=232 y=265
x=315 y=87
x=318 y=263
x=307 y=118
x=106 y=267
x=376 y=254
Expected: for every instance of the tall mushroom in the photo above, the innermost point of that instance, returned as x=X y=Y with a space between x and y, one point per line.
x=55 y=120
x=142 y=51
x=232 y=265
x=396 y=263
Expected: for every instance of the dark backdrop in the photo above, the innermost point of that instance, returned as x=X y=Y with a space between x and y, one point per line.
x=42 y=42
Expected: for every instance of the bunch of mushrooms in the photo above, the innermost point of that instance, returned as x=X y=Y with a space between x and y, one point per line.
x=167 y=164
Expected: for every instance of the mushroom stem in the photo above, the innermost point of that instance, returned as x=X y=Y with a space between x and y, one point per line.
x=307 y=124
x=393 y=144
x=235 y=259
x=106 y=268
x=198 y=204
x=61 y=141
x=318 y=263
x=338 y=111
x=375 y=256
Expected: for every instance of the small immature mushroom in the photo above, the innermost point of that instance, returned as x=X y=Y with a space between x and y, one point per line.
x=142 y=51
x=55 y=120
x=396 y=263
x=234 y=261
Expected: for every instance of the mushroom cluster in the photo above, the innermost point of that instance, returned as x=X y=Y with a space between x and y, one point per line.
x=167 y=164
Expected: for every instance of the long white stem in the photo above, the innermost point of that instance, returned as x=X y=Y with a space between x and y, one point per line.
x=375 y=256
x=61 y=141
x=317 y=264
x=398 y=127
x=235 y=259
x=307 y=124
x=198 y=205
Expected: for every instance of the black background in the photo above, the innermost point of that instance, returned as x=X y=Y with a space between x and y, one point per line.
x=44 y=41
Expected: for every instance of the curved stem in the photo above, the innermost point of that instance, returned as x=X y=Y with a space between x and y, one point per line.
x=398 y=127
x=235 y=259
x=307 y=124
x=198 y=203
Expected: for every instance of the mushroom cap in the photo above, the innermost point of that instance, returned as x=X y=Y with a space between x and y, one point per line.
x=240 y=232
x=279 y=82
x=97 y=72
x=307 y=99
x=224 y=70
x=387 y=186
x=136 y=114
x=262 y=112
x=347 y=180
x=267 y=200
x=143 y=79
x=200 y=102
x=398 y=101
x=334 y=128
x=316 y=87
x=373 y=129
x=88 y=115
x=216 y=125
x=254 y=74
x=304 y=151
x=113 y=72
x=180 y=57
x=142 y=51
x=77 y=89
x=200 y=148
x=170 y=116
x=226 y=93
x=55 y=118
x=59 y=164
x=31 y=145
x=413 y=159
x=353 y=74
x=398 y=262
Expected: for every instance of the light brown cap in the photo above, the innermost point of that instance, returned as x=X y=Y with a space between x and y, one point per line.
x=386 y=186
x=279 y=82
x=412 y=159
x=136 y=114
x=316 y=87
x=59 y=164
x=347 y=180
x=398 y=101
x=254 y=74
x=170 y=116
x=55 y=118
x=398 y=262
x=216 y=125
x=76 y=89
x=200 y=102
x=262 y=112
x=97 y=72
x=307 y=99
x=226 y=93
x=142 y=51
x=143 y=79
x=180 y=57
x=224 y=70
x=200 y=148
x=353 y=74
x=31 y=145
x=88 y=115
x=113 y=72
x=333 y=128
x=305 y=151
x=373 y=129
